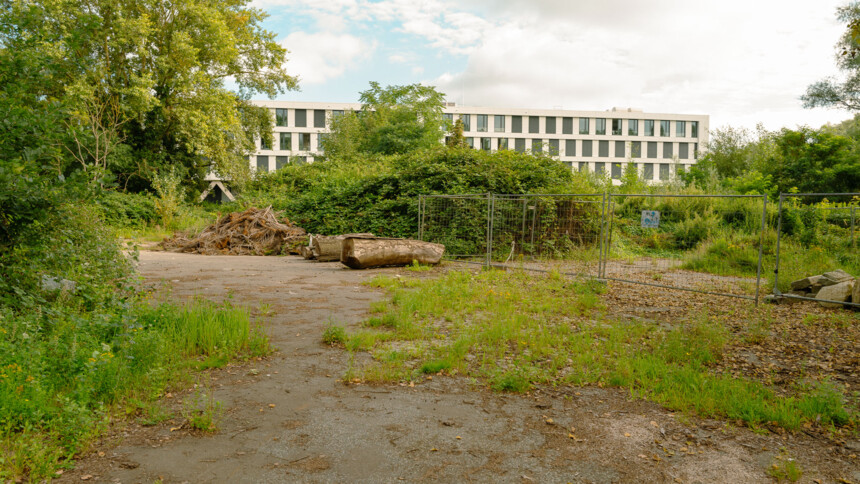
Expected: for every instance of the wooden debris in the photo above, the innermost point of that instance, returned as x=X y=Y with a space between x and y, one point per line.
x=252 y=232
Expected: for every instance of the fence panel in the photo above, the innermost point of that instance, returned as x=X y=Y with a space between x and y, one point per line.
x=702 y=243
x=817 y=233
x=460 y=222
x=529 y=231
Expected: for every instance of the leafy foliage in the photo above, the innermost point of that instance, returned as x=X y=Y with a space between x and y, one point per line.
x=842 y=93
x=393 y=120
x=380 y=195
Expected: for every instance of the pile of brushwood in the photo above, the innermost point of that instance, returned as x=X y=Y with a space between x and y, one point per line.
x=252 y=232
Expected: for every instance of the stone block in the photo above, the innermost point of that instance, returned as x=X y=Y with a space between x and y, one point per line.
x=836 y=292
x=835 y=277
x=805 y=283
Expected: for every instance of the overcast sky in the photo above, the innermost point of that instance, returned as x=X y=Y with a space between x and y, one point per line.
x=742 y=62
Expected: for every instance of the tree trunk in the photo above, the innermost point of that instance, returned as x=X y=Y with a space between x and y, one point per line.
x=363 y=253
x=328 y=248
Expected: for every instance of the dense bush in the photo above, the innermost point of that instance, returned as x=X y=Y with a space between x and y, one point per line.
x=123 y=209
x=380 y=195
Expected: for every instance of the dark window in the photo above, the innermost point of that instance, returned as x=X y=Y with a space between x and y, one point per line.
x=583 y=166
x=664 y=171
x=583 y=126
x=537 y=146
x=566 y=125
x=694 y=129
x=482 y=123
x=633 y=127
x=665 y=128
x=503 y=143
x=603 y=149
x=336 y=112
x=616 y=171
x=301 y=118
x=520 y=145
x=516 y=124
x=667 y=150
x=570 y=147
x=262 y=163
x=696 y=151
x=286 y=141
x=649 y=127
x=636 y=149
x=264 y=145
x=304 y=141
x=652 y=149
x=553 y=147
x=616 y=127
x=470 y=142
x=600 y=126
x=499 y=124
x=485 y=144
x=281 y=117
x=449 y=117
x=319 y=118
x=550 y=125
x=684 y=151
x=600 y=168
x=619 y=149
x=467 y=122
x=281 y=161
x=586 y=147
x=534 y=124
x=681 y=129
x=648 y=173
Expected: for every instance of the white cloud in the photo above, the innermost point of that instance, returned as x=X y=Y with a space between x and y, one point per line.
x=319 y=57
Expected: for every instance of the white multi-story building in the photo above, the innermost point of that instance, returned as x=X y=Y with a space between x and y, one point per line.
x=596 y=141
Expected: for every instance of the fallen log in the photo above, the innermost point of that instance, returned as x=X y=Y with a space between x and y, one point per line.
x=367 y=252
x=329 y=248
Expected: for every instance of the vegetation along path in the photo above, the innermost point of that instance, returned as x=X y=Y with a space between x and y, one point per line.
x=291 y=417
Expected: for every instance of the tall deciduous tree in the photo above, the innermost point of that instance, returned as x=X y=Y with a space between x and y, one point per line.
x=841 y=93
x=144 y=82
x=393 y=119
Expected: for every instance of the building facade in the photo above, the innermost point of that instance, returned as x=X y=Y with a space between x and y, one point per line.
x=595 y=141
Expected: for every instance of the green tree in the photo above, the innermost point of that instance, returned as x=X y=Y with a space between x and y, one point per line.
x=810 y=160
x=455 y=137
x=845 y=92
x=392 y=120
x=143 y=83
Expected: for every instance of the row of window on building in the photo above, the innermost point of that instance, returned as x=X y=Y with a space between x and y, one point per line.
x=535 y=123
x=572 y=147
x=645 y=171
x=550 y=125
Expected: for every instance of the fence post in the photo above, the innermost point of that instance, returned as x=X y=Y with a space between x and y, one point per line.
x=600 y=240
x=778 y=237
x=420 y=217
x=760 y=249
x=489 y=254
x=853 y=239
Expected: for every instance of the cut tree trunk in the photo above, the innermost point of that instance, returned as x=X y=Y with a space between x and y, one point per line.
x=363 y=253
x=329 y=248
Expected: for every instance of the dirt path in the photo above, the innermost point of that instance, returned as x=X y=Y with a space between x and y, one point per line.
x=288 y=418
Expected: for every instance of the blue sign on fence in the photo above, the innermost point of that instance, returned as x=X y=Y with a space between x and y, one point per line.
x=650 y=219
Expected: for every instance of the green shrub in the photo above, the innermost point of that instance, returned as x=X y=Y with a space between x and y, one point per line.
x=131 y=210
x=691 y=231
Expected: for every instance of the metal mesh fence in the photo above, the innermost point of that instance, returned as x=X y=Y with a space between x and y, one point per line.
x=817 y=236
x=701 y=243
x=530 y=230
x=459 y=222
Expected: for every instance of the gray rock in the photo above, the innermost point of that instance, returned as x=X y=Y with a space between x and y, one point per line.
x=855 y=297
x=805 y=283
x=836 y=292
x=835 y=277
x=51 y=284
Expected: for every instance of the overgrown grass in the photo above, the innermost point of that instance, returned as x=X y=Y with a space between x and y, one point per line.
x=63 y=378
x=514 y=330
